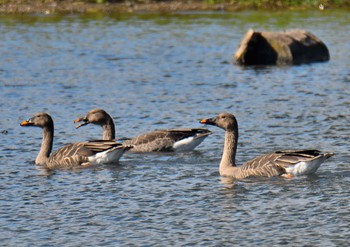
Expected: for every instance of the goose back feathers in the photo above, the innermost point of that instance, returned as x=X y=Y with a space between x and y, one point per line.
x=74 y=154
x=164 y=140
x=168 y=140
x=279 y=163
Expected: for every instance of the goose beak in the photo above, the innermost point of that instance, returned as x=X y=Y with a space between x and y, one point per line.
x=26 y=123
x=83 y=120
x=208 y=121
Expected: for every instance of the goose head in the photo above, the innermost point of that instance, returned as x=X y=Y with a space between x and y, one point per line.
x=95 y=116
x=41 y=120
x=226 y=121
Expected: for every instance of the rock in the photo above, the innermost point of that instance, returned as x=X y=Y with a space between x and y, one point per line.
x=280 y=48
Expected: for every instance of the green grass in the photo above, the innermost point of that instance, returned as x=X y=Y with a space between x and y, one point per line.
x=243 y=3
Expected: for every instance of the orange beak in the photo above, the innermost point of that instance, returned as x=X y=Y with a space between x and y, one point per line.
x=81 y=119
x=26 y=123
x=203 y=121
x=209 y=121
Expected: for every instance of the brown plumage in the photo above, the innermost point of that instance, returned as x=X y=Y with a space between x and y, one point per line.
x=165 y=140
x=74 y=154
x=286 y=162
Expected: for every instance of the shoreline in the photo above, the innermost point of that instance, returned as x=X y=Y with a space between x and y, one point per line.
x=74 y=7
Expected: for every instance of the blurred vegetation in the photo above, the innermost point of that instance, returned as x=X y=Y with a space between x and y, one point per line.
x=244 y=3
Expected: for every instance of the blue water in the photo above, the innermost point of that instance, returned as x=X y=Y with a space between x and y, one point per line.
x=162 y=71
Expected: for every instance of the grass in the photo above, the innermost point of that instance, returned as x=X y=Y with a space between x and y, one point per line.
x=282 y=3
x=126 y=5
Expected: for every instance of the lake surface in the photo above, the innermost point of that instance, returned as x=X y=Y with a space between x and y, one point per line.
x=163 y=71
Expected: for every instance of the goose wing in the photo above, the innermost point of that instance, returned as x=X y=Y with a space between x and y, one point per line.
x=275 y=164
x=76 y=154
x=164 y=139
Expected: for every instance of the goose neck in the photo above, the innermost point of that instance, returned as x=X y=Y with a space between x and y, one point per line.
x=108 y=130
x=228 y=160
x=46 y=146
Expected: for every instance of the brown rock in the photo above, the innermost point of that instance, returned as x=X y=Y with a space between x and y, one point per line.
x=280 y=48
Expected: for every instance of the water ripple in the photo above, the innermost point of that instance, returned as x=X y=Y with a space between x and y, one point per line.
x=164 y=71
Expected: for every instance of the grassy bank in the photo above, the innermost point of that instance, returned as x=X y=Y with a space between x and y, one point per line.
x=84 y=6
x=252 y=3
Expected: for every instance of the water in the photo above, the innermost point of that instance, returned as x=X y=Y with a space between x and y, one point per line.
x=164 y=71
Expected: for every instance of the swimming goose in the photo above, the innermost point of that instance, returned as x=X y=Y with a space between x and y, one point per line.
x=287 y=163
x=165 y=140
x=76 y=154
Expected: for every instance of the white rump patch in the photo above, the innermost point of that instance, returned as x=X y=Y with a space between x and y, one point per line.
x=305 y=168
x=188 y=144
x=107 y=157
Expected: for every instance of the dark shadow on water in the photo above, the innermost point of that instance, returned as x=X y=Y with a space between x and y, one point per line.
x=264 y=69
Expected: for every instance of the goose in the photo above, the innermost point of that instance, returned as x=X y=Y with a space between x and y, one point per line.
x=163 y=140
x=286 y=163
x=79 y=154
